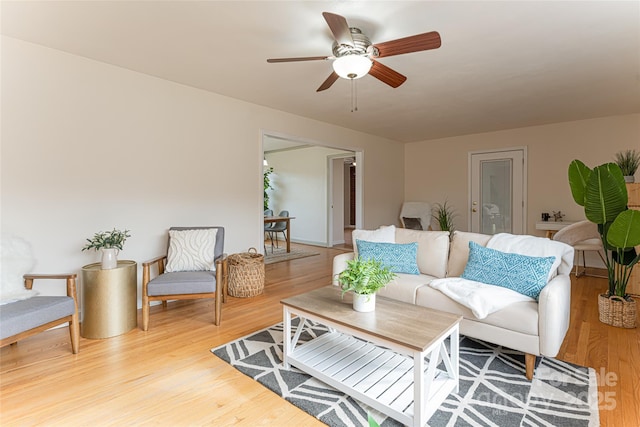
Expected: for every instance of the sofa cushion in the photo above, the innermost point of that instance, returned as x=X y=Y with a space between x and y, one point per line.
x=519 y=317
x=433 y=249
x=399 y=258
x=521 y=273
x=459 y=252
x=384 y=234
x=404 y=287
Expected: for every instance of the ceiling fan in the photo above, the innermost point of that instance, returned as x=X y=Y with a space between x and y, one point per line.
x=355 y=56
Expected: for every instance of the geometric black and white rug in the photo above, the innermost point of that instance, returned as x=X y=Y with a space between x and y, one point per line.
x=493 y=388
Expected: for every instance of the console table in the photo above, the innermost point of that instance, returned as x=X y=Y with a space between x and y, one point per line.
x=551 y=227
x=109 y=299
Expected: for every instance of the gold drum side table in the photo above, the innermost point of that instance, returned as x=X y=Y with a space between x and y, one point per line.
x=109 y=299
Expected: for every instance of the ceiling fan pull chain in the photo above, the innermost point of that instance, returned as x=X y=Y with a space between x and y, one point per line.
x=354 y=96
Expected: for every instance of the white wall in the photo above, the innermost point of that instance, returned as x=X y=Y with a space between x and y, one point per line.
x=87 y=146
x=437 y=170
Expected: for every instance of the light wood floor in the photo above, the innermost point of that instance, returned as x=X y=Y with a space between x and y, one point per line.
x=167 y=376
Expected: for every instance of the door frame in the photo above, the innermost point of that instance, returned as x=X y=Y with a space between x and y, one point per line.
x=331 y=195
x=359 y=155
x=522 y=149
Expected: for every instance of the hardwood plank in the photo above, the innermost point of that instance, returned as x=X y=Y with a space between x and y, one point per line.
x=167 y=376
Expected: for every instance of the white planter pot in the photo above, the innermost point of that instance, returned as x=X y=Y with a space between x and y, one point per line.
x=364 y=303
x=109 y=258
x=629 y=178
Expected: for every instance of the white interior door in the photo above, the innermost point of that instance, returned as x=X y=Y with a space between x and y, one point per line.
x=498 y=191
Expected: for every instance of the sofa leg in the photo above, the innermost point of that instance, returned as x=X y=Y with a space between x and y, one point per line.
x=530 y=364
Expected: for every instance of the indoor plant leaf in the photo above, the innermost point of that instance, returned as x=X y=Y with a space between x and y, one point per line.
x=605 y=195
x=579 y=174
x=364 y=276
x=625 y=230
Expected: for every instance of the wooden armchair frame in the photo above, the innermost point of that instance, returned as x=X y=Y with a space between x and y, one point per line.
x=220 y=293
x=74 y=324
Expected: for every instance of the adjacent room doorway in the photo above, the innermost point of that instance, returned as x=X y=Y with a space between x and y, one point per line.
x=497 y=191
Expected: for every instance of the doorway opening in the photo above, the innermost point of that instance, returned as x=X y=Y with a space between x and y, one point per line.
x=308 y=180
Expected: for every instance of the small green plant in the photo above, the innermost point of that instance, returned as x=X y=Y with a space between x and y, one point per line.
x=364 y=276
x=267 y=185
x=444 y=214
x=628 y=161
x=107 y=240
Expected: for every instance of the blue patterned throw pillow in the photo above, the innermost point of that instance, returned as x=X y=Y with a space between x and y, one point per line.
x=399 y=257
x=524 y=274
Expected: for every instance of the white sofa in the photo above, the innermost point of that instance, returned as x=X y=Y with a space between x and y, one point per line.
x=533 y=327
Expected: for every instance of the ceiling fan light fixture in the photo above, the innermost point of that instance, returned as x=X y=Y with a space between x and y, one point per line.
x=352 y=66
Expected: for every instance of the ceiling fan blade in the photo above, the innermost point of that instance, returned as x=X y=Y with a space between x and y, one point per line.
x=386 y=74
x=327 y=83
x=409 y=44
x=304 y=58
x=339 y=27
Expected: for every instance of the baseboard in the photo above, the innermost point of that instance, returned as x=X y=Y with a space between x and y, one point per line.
x=308 y=242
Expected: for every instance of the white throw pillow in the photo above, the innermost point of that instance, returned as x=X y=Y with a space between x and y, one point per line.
x=191 y=250
x=384 y=234
x=16 y=260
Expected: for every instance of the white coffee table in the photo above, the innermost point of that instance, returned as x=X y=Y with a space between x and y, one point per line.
x=377 y=358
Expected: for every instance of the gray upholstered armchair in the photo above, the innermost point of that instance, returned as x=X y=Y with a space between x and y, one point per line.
x=194 y=267
x=22 y=312
x=26 y=317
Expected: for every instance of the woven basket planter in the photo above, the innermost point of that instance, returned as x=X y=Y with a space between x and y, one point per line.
x=246 y=274
x=617 y=311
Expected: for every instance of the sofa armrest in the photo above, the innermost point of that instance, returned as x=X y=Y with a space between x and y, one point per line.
x=339 y=265
x=554 y=309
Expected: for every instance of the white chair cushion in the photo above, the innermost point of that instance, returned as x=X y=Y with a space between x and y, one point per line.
x=588 y=245
x=191 y=250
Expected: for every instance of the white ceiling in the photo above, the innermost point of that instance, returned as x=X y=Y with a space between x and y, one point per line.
x=503 y=64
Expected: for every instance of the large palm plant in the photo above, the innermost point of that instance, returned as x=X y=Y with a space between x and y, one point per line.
x=603 y=194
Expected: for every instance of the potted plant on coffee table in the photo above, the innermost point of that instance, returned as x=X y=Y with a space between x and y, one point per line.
x=109 y=243
x=603 y=194
x=364 y=277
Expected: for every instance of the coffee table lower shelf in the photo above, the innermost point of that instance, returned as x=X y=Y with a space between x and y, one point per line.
x=377 y=376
